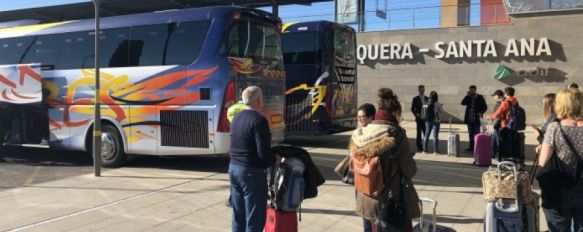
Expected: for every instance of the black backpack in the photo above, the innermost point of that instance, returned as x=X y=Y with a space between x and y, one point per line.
x=312 y=175
x=429 y=112
x=517 y=120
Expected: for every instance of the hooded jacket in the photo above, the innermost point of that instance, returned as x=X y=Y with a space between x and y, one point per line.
x=503 y=112
x=389 y=141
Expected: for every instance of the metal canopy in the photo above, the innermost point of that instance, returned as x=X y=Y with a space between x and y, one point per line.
x=122 y=7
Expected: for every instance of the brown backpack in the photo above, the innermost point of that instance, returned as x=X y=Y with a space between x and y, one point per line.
x=368 y=175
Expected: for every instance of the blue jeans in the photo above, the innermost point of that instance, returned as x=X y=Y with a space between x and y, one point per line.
x=495 y=136
x=428 y=127
x=248 y=198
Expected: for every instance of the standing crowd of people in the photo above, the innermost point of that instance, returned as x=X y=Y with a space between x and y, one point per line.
x=383 y=164
x=561 y=150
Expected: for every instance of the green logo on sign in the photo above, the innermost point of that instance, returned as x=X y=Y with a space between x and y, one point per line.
x=501 y=72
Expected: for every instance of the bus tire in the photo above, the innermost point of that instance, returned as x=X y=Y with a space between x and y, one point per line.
x=112 y=151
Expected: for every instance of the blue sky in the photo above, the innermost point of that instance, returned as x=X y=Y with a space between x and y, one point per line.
x=22 y=4
x=401 y=14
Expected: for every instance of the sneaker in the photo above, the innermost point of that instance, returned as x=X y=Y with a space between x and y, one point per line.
x=436 y=152
x=425 y=152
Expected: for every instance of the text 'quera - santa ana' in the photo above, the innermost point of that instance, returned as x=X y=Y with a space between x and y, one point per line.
x=524 y=47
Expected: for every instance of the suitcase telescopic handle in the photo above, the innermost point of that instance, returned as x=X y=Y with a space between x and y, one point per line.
x=507 y=164
x=498 y=204
x=434 y=206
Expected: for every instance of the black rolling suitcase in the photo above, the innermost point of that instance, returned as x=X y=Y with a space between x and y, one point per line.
x=511 y=145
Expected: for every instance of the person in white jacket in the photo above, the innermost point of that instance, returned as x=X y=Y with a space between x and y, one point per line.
x=432 y=122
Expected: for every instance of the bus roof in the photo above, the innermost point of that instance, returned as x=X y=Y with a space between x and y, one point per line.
x=313 y=26
x=191 y=14
x=56 y=12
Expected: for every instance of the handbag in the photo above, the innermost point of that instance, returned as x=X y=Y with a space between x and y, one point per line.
x=393 y=211
x=503 y=183
x=549 y=180
x=552 y=178
x=410 y=199
x=344 y=171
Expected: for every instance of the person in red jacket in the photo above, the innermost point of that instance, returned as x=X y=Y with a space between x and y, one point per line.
x=503 y=112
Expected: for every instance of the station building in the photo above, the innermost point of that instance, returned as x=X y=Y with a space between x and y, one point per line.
x=534 y=46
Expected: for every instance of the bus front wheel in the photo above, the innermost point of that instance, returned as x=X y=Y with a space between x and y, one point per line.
x=112 y=152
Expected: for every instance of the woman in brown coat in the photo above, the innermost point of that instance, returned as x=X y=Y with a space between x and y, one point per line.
x=384 y=138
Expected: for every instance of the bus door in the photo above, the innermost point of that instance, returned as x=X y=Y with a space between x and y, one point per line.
x=343 y=90
x=23 y=114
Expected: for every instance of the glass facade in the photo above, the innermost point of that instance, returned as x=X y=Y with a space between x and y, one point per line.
x=529 y=6
x=381 y=15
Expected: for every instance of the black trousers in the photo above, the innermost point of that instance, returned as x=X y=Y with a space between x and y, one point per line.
x=572 y=211
x=473 y=129
x=420 y=133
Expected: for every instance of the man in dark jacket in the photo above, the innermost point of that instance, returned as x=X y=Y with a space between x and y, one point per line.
x=250 y=155
x=475 y=108
x=417 y=108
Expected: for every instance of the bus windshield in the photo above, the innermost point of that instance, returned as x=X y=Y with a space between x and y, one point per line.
x=344 y=44
x=300 y=48
x=252 y=40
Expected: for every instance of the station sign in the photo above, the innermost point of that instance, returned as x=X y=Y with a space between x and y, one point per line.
x=464 y=49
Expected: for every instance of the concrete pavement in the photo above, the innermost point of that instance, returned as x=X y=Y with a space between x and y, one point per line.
x=153 y=199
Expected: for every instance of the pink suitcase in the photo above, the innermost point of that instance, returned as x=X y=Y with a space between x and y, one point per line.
x=482 y=149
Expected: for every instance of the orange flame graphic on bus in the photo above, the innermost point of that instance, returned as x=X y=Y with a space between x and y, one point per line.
x=117 y=90
x=17 y=88
x=244 y=65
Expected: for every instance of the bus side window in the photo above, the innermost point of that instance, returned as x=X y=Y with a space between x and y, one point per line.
x=43 y=50
x=185 y=42
x=12 y=49
x=148 y=42
x=114 y=47
x=76 y=50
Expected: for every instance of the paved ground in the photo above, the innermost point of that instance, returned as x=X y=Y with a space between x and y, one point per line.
x=55 y=191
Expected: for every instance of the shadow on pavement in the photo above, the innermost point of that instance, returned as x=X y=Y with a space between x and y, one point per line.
x=212 y=189
x=434 y=173
x=219 y=164
x=329 y=212
x=29 y=166
x=449 y=219
x=45 y=157
x=328 y=141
